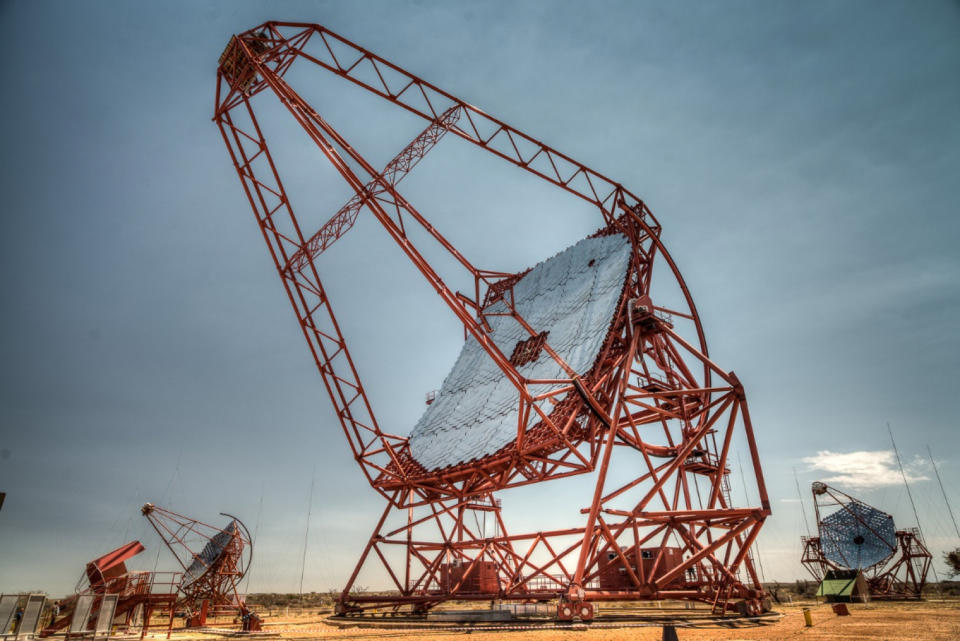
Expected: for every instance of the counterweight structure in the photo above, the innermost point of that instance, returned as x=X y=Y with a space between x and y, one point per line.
x=139 y=596
x=856 y=536
x=572 y=367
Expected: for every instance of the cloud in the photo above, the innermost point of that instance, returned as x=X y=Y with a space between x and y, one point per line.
x=862 y=469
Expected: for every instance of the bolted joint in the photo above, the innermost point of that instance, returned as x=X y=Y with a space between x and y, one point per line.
x=738 y=390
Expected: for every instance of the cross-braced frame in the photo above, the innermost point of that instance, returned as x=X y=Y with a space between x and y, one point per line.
x=900 y=569
x=214 y=561
x=652 y=395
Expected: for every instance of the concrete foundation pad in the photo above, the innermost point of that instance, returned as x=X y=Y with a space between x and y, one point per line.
x=460 y=616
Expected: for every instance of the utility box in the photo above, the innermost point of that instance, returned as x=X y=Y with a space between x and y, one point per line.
x=614 y=575
x=481 y=578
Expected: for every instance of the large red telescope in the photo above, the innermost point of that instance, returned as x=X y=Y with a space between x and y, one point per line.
x=574 y=366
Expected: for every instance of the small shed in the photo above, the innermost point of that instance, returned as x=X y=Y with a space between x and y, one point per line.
x=844 y=586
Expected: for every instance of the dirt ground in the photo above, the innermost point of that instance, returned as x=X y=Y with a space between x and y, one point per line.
x=925 y=621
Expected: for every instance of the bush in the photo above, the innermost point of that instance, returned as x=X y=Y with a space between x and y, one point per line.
x=953 y=561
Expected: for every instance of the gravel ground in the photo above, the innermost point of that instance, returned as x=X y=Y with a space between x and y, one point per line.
x=925 y=621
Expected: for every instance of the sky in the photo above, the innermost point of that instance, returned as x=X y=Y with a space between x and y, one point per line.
x=802 y=159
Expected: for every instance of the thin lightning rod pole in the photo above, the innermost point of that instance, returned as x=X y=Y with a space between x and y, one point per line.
x=803 y=510
x=306 y=534
x=256 y=530
x=904 y=476
x=910 y=496
x=943 y=491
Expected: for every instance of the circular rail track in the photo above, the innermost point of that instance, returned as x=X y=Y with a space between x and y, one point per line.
x=626 y=618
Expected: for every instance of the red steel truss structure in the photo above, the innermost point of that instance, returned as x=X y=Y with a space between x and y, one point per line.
x=140 y=595
x=214 y=561
x=653 y=395
x=901 y=575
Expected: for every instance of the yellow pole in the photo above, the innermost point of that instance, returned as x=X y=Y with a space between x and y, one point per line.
x=807 y=617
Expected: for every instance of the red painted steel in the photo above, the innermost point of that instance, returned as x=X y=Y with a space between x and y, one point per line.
x=146 y=593
x=395 y=171
x=653 y=396
x=900 y=577
x=112 y=564
x=211 y=579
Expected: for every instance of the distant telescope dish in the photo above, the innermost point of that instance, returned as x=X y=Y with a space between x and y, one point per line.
x=858 y=536
x=214 y=561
